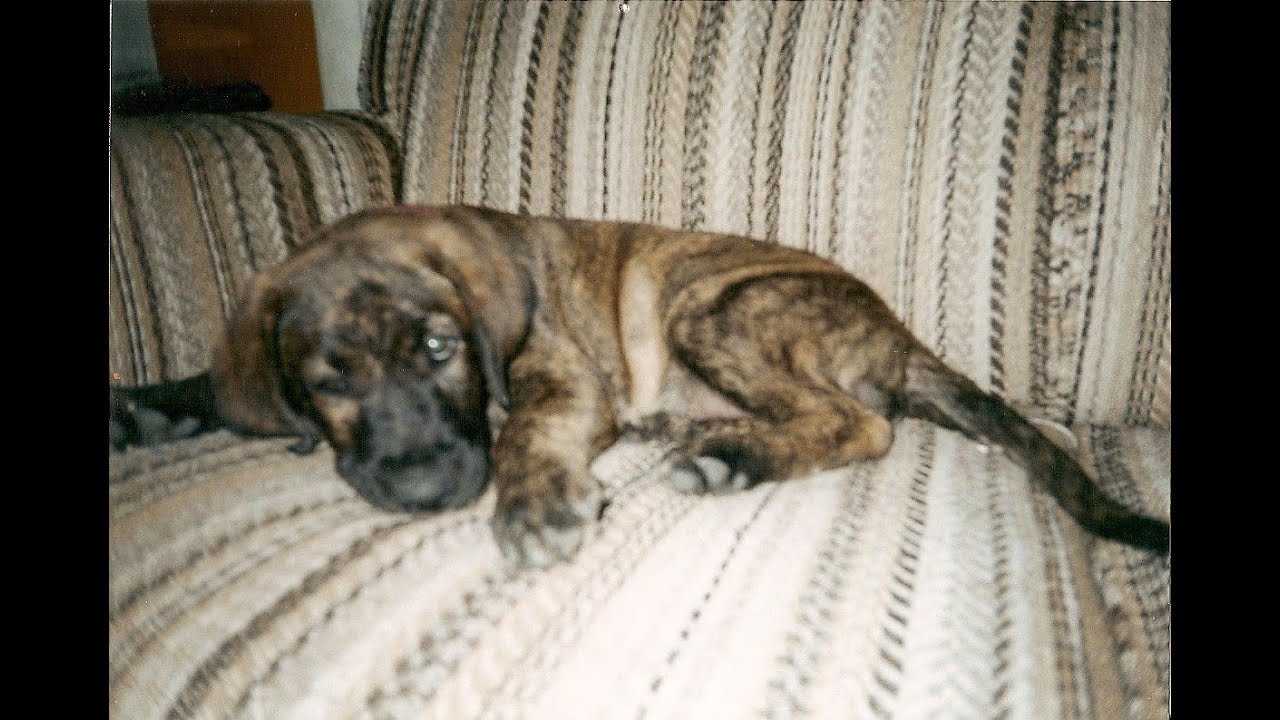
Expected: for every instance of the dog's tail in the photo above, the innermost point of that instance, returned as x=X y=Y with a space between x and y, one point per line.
x=936 y=393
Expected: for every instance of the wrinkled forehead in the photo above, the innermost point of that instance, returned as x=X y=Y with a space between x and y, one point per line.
x=403 y=235
x=345 y=282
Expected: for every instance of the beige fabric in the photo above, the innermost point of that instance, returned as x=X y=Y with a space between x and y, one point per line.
x=998 y=171
x=247 y=582
x=202 y=203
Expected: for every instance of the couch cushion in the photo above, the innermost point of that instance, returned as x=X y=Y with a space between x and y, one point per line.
x=998 y=171
x=201 y=203
x=247 y=582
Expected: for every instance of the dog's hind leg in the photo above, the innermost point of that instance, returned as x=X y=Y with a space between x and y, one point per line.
x=781 y=347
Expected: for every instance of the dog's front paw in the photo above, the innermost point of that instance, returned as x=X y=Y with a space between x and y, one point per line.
x=540 y=522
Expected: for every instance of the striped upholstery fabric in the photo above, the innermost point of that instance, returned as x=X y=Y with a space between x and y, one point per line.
x=998 y=171
x=250 y=583
x=201 y=203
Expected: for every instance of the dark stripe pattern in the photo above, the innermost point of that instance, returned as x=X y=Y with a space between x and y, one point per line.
x=202 y=203
x=1109 y=28
x=791 y=686
x=1004 y=197
x=699 y=610
x=249 y=582
x=890 y=641
x=1039 y=310
x=698 y=119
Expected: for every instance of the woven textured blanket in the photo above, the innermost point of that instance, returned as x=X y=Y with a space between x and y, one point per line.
x=250 y=583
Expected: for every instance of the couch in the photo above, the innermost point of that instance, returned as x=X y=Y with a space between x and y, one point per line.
x=999 y=172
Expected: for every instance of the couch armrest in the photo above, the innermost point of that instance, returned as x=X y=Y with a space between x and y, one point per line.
x=201 y=203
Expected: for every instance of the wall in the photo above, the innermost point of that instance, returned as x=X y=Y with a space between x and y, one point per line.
x=133 y=57
x=338 y=46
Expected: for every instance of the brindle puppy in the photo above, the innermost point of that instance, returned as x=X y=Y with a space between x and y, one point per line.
x=406 y=336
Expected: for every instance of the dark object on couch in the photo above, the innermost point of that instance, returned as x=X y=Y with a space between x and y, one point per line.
x=173 y=97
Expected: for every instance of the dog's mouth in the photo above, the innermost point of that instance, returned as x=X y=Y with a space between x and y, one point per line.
x=421 y=480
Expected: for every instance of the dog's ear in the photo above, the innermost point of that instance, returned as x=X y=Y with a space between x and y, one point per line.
x=497 y=318
x=248 y=381
x=489 y=348
x=495 y=293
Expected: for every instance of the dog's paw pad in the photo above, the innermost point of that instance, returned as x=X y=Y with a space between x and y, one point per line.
x=706 y=473
x=716 y=465
x=538 y=530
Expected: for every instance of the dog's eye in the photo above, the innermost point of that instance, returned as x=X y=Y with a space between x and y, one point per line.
x=439 y=347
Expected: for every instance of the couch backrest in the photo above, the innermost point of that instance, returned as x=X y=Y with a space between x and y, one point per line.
x=998 y=171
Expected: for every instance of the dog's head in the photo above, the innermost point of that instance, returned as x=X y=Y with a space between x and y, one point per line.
x=387 y=336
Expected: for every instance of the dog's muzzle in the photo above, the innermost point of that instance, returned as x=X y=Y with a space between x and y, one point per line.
x=438 y=478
